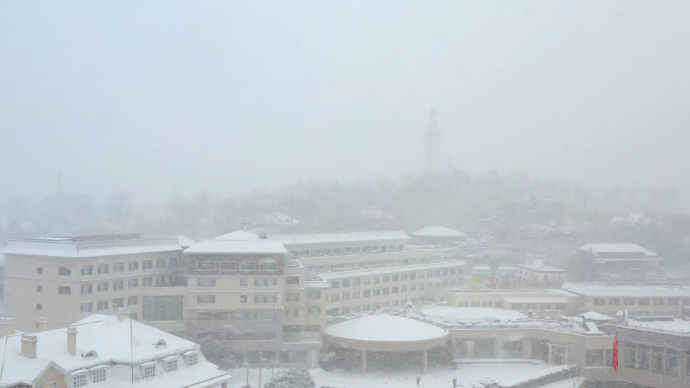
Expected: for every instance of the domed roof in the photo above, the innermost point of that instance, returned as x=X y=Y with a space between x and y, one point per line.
x=385 y=328
x=238 y=235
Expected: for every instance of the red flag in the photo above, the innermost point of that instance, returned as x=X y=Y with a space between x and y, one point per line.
x=615 y=353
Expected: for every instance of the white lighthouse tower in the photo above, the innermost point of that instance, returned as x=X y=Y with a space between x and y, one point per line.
x=433 y=139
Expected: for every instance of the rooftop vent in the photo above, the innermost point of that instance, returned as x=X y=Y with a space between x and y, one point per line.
x=160 y=343
x=90 y=354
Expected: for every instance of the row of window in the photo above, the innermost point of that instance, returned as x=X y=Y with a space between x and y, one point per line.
x=652 y=358
x=101 y=269
x=268 y=265
x=642 y=301
x=118 y=285
x=347 y=251
x=355 y=282
x=376 y=263
x=377 y=292
x=211 y=299
x=295 y=312
x=370 y=307
x=537 y=306
x=244 y=282
x=87 y=307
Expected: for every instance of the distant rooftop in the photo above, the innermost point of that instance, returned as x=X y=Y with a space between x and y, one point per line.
x=325 y=238
x=437 y=231
x=628 y=289
x=538 y=265
x=238 y=235
x=90 y=246
x=618 y=249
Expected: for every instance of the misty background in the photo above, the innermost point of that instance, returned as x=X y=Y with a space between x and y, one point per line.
x=177 y=117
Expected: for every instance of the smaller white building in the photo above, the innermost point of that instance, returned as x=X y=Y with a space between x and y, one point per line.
x=539 y=272
x=105 y=351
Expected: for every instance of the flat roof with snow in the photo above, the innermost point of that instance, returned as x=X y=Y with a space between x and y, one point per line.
x=329 y=238
x=620 y=252
x=540 y=266
x=626 y=289
x=66 y=247
x=471 y=314
x=437 y=231
x=259 y=246
x=677 y=325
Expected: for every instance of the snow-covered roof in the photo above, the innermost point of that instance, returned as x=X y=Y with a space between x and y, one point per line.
x=677 y=325
x=328 y=238
x=185 y=242
x=618 y=248
x=628 y=290
x=595 y=316
x=238 y=235
x=258 y=246
x=57 y=247
x=471 y=314
x=540 y=266
x=113 y=341
x=391 y=270
x=437 y=231
x=385 y=328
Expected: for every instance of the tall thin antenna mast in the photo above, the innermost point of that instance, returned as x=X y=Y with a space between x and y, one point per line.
x=175 y=182
x=59 y=181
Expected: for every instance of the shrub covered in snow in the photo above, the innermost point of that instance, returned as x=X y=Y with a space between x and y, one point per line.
x=291 y=378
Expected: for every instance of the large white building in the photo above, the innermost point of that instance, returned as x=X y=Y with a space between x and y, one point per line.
x=105 y=351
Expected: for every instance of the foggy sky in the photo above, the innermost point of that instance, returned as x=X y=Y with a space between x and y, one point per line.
x=236 y=95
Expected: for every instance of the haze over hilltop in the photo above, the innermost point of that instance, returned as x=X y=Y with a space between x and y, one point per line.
x=235 y=95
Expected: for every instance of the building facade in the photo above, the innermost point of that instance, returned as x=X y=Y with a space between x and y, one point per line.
x=69 y=278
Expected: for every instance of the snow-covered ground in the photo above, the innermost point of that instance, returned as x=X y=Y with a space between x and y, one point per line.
x=573 y=382
x=469 y=376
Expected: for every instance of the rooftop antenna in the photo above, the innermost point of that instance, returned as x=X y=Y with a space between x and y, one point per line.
x=175 y=182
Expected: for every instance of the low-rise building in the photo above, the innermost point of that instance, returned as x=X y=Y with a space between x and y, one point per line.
x=652 y=353
x=537 y=272
x=639 y=299
x=106 y=350
x=622 y=258
x=543 y=302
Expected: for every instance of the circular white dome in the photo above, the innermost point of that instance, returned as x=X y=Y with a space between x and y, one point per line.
x=385 y=328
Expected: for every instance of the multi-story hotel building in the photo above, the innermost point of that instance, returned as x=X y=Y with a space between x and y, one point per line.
x=69 y=278
x=245 y=293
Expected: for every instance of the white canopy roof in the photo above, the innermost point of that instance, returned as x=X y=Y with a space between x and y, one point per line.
x=385 y=328
x=238 y=235
x=437 y=231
